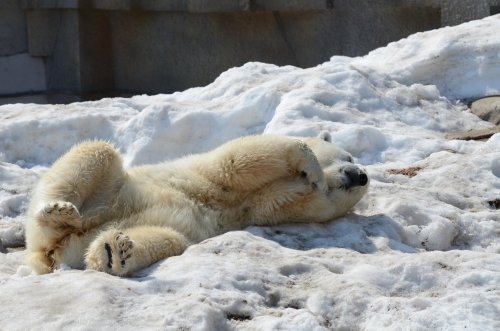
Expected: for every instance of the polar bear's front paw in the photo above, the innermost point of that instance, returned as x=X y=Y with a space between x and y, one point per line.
x=111 y=252
x=59 y=214
x=310 y=169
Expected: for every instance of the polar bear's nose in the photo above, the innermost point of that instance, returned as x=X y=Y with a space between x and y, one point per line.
x=363 y=178
x=354 y=176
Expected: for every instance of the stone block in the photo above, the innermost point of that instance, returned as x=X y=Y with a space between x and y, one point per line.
x=13 y=38
x=50 y=4
x=153 y=5
x=160 y=5
x=346 y=32
x=30 y=98
x=42 y=31
x=63 y=65
x=292 y=5
x=396 y=3
x=171 y=52
x=217 y=6
x=96 y=51
x=467 y=10
x=21 y=73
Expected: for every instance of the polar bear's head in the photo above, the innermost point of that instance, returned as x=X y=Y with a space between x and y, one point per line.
x=347 y=182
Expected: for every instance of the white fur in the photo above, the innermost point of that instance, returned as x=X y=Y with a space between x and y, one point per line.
x=87 y=211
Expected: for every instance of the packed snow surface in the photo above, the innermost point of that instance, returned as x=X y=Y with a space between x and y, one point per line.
x=419 y=252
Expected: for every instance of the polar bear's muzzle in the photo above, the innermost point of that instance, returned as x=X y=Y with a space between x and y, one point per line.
x=352 y=176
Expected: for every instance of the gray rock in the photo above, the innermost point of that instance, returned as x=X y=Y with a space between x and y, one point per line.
x=487 y=109
x=2 y=249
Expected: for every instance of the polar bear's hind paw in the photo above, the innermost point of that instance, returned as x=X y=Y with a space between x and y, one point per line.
x=123 y=250
x=110 y=253
x=125 y=245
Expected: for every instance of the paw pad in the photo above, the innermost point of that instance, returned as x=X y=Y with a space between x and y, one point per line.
x=59 y=214
x=119 y=250
x=63 y=208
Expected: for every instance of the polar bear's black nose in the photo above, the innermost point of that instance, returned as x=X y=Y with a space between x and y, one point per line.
x=363 y=179
x=354 y=176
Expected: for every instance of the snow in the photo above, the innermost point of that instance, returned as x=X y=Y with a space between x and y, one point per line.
x=432 y=58
x=419 y=252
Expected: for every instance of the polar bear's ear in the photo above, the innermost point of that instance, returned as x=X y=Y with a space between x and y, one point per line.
x=325 y=135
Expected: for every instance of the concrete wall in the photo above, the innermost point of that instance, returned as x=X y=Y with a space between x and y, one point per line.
x=193 y=49
x=85 y=49
x=19 y=72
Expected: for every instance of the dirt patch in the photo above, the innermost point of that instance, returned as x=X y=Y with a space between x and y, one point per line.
x=408 y=172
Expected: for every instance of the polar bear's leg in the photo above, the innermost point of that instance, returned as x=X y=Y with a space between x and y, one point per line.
x=121 y=252
x=70 y=198
x=251 y=162
x=77 y=180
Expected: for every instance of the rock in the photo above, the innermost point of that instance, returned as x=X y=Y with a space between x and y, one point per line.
x=479 y=134
x=487 y=108
x=2 y=249
x=494 y=203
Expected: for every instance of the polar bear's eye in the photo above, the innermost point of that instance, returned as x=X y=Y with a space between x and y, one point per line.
x=350 y=159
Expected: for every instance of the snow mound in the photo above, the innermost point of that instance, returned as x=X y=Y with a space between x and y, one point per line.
x=444 y=59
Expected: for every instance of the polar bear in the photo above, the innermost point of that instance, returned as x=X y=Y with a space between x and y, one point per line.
x=87 y=211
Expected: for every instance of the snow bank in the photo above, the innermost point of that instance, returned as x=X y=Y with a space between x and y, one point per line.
x=461 y=61
x=419 y=252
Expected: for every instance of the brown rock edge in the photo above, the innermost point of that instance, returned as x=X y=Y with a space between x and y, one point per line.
x=477 y=134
